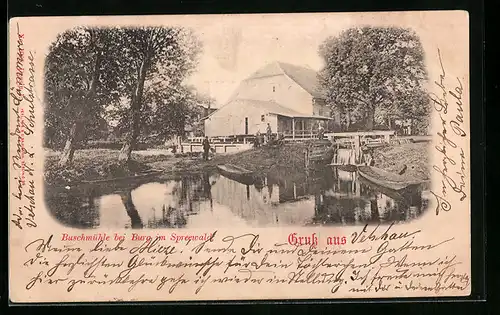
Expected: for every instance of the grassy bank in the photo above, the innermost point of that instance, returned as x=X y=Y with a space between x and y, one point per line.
x=93 y=164
x=260 y=160
x=411 y=156
x=96 y=164
x=414 y=155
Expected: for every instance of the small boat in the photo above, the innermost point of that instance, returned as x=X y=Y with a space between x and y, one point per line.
x=144 y=175
x=236 y=173
x=108 y=183
x=385 y=179
x=233 y=169
x=397 y=195
x=375 y=145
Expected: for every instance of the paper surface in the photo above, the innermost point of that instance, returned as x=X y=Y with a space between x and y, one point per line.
x=201 y=232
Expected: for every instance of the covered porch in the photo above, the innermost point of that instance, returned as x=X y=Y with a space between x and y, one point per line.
x=297 y=128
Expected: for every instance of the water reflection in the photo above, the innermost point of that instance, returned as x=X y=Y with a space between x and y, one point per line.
x=328 y=197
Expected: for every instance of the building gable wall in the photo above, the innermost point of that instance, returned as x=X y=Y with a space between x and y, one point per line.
x=280 y=89
x=230 y=120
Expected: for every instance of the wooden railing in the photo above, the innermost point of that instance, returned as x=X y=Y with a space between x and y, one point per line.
x=228 y=139
x=367 y=137
x=300 y=135
x=217 y=147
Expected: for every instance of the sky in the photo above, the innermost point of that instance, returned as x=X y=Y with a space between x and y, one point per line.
x=233 y=51
x=234 y=46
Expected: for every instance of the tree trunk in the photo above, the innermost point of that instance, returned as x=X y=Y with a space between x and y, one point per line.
x=131 y=140
x=70 y=147
x=348 y=120
x=83 y=108
x=135 y=219
x=135 y=116
x=370 y=119
x=375 y=214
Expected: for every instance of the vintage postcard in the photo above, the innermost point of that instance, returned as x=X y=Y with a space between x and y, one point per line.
x=239 y=157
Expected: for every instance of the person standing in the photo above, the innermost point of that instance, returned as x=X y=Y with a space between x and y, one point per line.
x=257 y=139
x=321 y=131
x=206 y=148
x=269 y=133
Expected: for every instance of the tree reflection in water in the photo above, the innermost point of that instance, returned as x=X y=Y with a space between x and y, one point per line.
x=75 y=208
x=132 y=212
x=281 y=197
x=375 y=215
x=181 y=199
x=207 y=189
x=347 y=199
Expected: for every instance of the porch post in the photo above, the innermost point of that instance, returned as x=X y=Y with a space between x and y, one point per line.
x=387 y=138
x=357 y=150
x=293 y=128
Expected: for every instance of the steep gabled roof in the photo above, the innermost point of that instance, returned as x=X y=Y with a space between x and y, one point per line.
x=305 y=77
x=270 y=108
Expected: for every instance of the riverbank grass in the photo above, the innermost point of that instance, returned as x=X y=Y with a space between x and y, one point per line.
x=96 y=164
x=91 y=164
x=412 y=157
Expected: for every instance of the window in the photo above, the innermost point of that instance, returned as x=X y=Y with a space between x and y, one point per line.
x=319 y=102
x=262 y=117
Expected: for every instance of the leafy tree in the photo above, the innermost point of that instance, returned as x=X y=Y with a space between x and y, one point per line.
x=159 y=59
x=80 y=76
x=168 y=111
x=374 y=75
x=205 y=106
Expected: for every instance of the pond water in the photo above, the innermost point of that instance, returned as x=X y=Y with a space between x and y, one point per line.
x=210 y=200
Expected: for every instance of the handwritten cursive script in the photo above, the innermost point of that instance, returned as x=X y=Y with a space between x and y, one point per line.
x=22 y=97
x=378 y=260
x=449 y=106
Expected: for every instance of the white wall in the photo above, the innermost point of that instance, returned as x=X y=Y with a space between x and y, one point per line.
x=286 y=92
x=230 y=120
